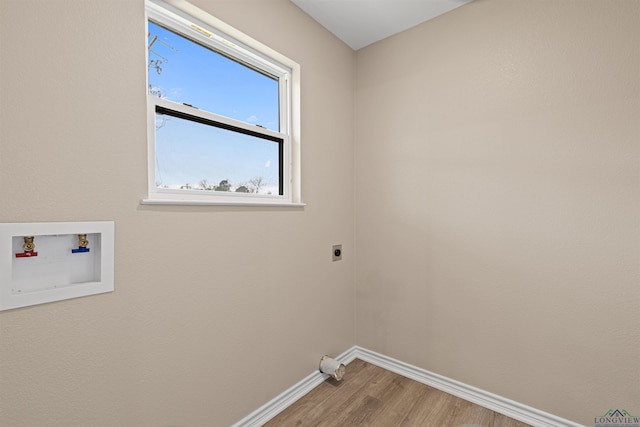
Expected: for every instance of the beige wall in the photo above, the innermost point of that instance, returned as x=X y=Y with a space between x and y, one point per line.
x=497 y=215
x=497 y=183
x=216 y=310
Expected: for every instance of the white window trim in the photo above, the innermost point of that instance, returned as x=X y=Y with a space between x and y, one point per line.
x=177 y=13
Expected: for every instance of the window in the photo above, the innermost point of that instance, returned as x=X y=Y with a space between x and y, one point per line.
x=219 y=115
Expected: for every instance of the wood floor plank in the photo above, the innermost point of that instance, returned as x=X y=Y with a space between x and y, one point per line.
x=426 y=411
x=400 y=400
x=372 y=396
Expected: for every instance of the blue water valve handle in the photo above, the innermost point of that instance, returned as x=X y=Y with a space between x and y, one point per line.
x=82 y=244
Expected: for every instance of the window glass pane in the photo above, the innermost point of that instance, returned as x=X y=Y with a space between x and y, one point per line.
x=196 y=156
x=183 y=71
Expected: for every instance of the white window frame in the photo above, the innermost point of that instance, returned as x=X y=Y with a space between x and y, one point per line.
x=209 y=31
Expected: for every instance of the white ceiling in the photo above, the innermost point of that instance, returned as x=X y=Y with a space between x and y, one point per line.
x=359 y=23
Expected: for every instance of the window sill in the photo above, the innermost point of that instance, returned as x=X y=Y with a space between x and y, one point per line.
x=219 y=203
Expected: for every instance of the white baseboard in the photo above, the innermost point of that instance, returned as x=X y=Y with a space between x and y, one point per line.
x=288 y=397
x=496 y=403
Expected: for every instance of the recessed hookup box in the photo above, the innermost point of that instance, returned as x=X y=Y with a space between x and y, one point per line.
x=43 y=262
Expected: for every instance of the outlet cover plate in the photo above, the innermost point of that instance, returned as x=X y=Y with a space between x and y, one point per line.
x=336 y=252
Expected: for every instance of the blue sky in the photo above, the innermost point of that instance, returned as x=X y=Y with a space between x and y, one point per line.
x=188 y=152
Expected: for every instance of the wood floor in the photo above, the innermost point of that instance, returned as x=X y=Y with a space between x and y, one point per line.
x=372 y=396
